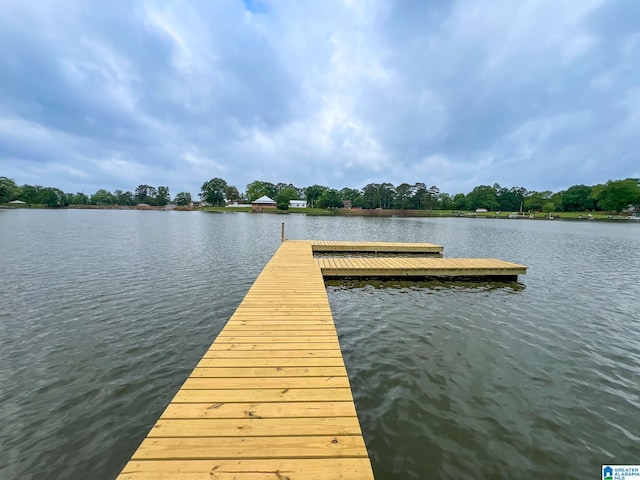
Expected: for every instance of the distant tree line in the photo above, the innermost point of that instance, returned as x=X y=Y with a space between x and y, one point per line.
x=614 y=196
x=54 y=197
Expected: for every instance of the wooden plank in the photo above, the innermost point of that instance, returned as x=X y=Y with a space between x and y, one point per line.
x=283 y=313
x=274 y=347
x=261 y=325
x=195 y=383
x=250 y=331
x=332 y=339
x=263 y=395
x=264 y=469
x=251 y=447
x=284 y=319
x=271 y=362
x=279 y=371
x=284 y=353
x=259 y=410
x=255 y=427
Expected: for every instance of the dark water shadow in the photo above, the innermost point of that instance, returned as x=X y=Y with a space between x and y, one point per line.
x=466 y=283
x=376 y=254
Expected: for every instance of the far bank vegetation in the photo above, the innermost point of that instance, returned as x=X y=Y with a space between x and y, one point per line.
x=614 y=196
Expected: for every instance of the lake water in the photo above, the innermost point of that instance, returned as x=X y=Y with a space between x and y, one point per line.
x=104 y=313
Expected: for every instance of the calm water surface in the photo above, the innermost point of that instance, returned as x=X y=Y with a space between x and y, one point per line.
x=104 y=313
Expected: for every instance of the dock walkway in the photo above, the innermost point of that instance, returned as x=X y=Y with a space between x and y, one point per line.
x=419 y=267
x=271 y=398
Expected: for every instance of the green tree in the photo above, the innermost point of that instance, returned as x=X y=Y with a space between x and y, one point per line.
x=378 y=195
x=460 y=201
x=387 y=194
x=419 y=192
x=548 y=207
x=30 y=194
x=231 y=193
x=556 y=199
x=53 y=197
x=77 y=198
x=330 y=198
x=162 y=196
x=280 y=186
x=286 y=195
x=313 y=193
x=510 y=199
x=9 y=191
x=350 y=194
x=371 y=195
x=82 y=198
x=536 y=200
x=258 y=188
x=616 y=195
x=183 y=199
x=404 y=194
x=39 y=195
x=102 y=197
x=116 y=194
x=482 y=196
x=431 y=197
x=445 y=202
x=145 y=194
x=578 y=198
x=213 y=191
x=123 y=198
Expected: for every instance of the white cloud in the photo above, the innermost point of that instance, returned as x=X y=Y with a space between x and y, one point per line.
x=339 y=92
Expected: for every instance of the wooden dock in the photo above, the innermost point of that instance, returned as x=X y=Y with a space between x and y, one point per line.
x=419 y=267
x=271 y=398
x=375 y=247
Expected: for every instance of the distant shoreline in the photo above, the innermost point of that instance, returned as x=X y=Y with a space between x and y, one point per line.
x=357 y=212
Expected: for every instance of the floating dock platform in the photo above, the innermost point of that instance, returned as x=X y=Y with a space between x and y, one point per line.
x=271 y=399
x=375 y=247
x=419 y=267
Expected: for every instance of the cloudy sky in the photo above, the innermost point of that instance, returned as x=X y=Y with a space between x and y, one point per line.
x=542 y=94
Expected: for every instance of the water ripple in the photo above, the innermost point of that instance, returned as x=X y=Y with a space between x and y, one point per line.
x=104 y=313
x=474 y=382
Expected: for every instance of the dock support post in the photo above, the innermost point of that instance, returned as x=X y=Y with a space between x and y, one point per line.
x=282 y=240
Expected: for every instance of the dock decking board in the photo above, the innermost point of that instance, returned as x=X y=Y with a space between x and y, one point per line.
x=375 y=247
x=270 y=399
x=316 y=469
x=419 y=267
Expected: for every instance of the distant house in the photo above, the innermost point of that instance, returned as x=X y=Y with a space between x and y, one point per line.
x=298 y=203
x=481 y=210
x=18 y=202
x=235 y=204
x=262 y=203
x=347 y=204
